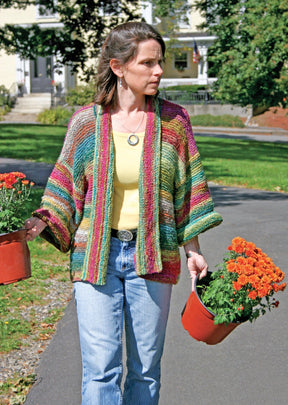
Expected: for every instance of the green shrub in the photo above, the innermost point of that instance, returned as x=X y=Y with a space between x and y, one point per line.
x=81 y=95
x=4 y=111
x=192 y=88
x=6 y=101
x=55 y=116
x=207 y=120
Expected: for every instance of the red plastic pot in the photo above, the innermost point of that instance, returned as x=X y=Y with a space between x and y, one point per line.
x=14 y=257
x=198 y=320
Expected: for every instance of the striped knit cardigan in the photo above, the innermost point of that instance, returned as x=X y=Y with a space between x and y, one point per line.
x=175 y=204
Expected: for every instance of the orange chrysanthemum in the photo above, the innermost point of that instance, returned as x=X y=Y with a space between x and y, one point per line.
x=237 y=286
x=231 y=266
x=252 y=295
x=14 y=191
x=255 y=269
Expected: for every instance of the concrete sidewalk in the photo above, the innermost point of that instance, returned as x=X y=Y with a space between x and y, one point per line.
x=262 y=134
x=248 y=368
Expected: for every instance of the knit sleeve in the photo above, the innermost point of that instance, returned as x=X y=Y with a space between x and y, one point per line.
x=194 y=207
x=62 y=203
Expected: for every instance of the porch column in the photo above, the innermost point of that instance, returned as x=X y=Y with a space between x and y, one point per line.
x=23 y=73
x=203 y=65
x=146 y=11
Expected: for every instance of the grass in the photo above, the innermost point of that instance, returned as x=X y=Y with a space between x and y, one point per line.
x=226 y=120
x=38 y=143
x=16 y=389
x=250 y=164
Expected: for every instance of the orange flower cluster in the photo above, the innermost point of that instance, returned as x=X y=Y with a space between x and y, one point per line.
x=15 y=190
x=8 y=180
x=256 y=271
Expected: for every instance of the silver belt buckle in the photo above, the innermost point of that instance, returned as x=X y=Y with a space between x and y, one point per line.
x=125 y=235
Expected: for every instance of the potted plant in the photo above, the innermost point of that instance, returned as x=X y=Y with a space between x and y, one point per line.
x=14 y=253
x=20 y=86
x=241 y=290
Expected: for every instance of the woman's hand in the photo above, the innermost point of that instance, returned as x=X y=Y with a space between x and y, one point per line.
x=196 y=262
x=34 y=227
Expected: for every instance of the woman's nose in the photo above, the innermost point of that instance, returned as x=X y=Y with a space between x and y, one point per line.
x=158 y=70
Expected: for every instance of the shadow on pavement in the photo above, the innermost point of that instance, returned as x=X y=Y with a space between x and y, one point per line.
x=228 y=196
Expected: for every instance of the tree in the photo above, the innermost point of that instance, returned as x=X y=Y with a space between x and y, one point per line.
x=84 y=25
x=250 y=55
x=171 y=13
x=167 y=16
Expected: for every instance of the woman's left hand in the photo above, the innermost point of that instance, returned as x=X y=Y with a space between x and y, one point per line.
x=197 y=264
x=34 y=227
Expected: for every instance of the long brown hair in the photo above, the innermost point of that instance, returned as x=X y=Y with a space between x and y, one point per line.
x=121 y=44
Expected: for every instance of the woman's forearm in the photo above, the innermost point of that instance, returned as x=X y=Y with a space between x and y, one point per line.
x=192 y=246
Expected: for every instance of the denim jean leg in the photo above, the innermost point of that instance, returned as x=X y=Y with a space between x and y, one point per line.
x=100 y=320
x=100 y=316
x=146 y=312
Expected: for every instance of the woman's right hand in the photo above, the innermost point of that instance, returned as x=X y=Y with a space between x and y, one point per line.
x=34 y=227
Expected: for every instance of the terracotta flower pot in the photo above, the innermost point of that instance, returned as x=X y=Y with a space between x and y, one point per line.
x=14 y=257
x=198 y=320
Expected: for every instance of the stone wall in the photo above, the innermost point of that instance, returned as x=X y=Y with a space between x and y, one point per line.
x=218 y=109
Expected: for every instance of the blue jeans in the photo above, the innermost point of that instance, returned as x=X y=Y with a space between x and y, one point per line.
x=101 y=312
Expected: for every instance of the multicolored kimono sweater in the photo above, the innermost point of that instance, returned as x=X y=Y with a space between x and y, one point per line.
x=175 y=204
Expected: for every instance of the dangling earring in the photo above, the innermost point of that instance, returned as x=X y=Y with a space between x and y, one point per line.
x=120 y=82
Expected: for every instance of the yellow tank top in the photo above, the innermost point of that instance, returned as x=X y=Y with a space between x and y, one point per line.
x=125 y=194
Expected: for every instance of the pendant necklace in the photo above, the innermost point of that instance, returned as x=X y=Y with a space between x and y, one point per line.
x=133 y=139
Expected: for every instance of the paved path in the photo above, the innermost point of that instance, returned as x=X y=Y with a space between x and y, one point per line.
x=37 y=172
x=247 y=368
x=262 y=134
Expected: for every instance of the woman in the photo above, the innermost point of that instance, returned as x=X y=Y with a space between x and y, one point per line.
x=127 y=190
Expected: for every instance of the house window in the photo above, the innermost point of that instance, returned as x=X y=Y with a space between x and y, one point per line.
x=35 y=63
x=181 y=61
x=49 y=67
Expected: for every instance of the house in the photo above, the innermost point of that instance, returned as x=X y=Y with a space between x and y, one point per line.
x=183 y=66
x=31 y=76
x=38 y=76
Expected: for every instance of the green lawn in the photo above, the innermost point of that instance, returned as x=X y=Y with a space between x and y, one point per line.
x=251 y=164
x=231 y=162
x=39 y=143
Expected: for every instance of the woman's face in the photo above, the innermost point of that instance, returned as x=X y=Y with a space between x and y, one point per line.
x=143 y=73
